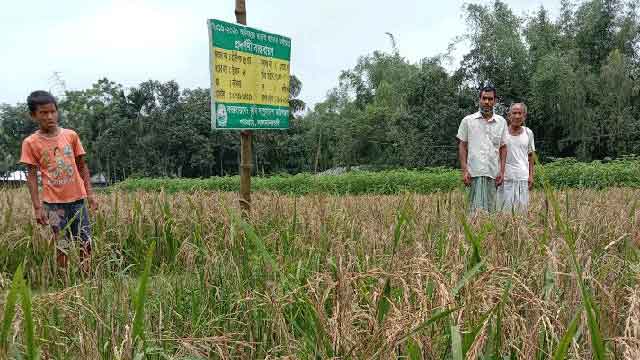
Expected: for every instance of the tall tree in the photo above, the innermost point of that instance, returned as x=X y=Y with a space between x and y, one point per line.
x=497 y=54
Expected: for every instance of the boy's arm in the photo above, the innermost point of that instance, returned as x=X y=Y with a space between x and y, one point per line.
x=32 y=184
x=83 y=170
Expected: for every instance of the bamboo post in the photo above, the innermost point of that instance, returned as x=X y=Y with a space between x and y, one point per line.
x=245 y=137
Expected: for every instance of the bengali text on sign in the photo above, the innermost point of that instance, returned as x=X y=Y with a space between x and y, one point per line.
x=249 y=77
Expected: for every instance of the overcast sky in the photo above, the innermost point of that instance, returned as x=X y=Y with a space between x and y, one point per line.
x=130 y=41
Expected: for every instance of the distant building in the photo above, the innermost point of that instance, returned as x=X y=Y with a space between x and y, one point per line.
x=15 y=178
x=99 y=180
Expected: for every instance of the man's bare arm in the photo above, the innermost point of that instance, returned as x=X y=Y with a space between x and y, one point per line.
x=503 y=158
x=531 y=167
x=463 y=148
x=503 y=161
x=462 y=154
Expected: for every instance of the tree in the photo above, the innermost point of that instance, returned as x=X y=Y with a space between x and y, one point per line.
x=497 y=53
x=15 y=126
x=543 y=37
x=578 y=74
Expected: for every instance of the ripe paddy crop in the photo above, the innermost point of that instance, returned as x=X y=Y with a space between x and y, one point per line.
x=183 y=276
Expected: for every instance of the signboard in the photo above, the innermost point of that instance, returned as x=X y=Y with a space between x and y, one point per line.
x=249 y=77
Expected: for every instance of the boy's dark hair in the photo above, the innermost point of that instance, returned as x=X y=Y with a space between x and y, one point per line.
x=40 y=97
x=488 y=88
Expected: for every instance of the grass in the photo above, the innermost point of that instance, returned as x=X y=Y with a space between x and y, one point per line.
x=322 y=276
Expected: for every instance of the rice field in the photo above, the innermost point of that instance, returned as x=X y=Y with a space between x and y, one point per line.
x=183 y=276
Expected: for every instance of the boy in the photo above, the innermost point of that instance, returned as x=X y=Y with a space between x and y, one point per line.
x=59 y=156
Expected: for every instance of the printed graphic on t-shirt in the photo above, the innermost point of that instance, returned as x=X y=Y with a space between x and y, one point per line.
x=59 y=164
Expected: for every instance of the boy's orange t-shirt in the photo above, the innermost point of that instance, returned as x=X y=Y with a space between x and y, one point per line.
x=56 y=159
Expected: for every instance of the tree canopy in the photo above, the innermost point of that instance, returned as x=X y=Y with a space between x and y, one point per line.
x=577 y=74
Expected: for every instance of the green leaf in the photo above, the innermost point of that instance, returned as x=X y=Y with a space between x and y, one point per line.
x=401 y=221
x=10 y=309
x=413 y=350
x=594 y=329
x=140 y=297
x=470 y=337
x=456 y=344
x=383 y=302
x=497 y=335
x=257 y=243
x=565 y=342
x=32 y=346
x=473 y=241
x=473 y=272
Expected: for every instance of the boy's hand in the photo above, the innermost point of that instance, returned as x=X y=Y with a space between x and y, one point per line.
x=93 y=202
x=41 y=216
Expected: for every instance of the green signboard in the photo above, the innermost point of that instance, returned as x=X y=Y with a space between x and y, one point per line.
x=249 y=77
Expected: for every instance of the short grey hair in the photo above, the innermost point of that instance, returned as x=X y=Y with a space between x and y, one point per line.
x=524 y=107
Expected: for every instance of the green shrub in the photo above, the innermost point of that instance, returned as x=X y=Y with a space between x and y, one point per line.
x=564 y=173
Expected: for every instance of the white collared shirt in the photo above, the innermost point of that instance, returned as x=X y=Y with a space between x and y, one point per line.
x=484 y=139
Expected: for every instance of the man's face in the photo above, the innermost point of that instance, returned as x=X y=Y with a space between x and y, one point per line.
x=487 y=101
x=516 y=116
x=46 y=116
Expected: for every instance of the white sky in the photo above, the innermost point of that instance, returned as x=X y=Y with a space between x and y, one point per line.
x=130 y=41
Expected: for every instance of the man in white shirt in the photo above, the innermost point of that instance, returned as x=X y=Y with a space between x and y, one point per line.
x=481 y=147
x=513 y=195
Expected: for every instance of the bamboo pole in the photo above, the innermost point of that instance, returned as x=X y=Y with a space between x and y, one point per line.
x=245 y=137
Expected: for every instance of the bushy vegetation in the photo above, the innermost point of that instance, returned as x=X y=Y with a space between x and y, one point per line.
x=566 y=173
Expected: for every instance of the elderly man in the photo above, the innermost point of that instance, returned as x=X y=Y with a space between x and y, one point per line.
x=513 y=195
x=482 y=151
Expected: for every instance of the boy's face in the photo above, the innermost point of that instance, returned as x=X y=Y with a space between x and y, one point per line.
x=46 y=116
